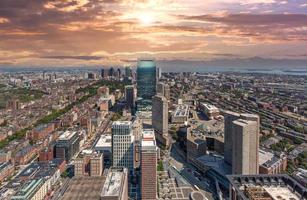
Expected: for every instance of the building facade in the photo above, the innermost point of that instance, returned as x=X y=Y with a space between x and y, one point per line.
x=123 y=145
x=242 y=142
x=160 y=114
x=146 y=84
x=130 y=96
x=148 y=165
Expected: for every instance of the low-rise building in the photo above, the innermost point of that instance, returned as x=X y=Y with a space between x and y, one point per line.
x=116 y=185
x=32 y=190
x=24 y=155
x=270 y=163
x=67 y=145
x=6 y=170
x=181 y=114
x=104 y=146
x=89 y=163
x=265 y=187
x=42 y=131
x=209 y=110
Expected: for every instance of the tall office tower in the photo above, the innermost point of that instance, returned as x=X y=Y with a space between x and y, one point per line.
x=164 y=89
x=102 y=73
x=160 y=88
x=241 y=147
x=128 y=72
x=111 y=72
x=229 y=117
x=130 y=96
x=119 y=73
x=148 y=165
x=160 y=114
x=116 y=185
x=123 y=145
x=159 y=72
x=146 y=84
x=167 y=91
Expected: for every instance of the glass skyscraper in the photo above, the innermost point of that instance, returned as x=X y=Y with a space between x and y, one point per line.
x=146 y=84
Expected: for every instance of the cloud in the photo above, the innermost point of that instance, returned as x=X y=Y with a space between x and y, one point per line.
x=74 y=57
x=93 y=31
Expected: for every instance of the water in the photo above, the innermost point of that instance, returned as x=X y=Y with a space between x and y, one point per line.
x=278 y=71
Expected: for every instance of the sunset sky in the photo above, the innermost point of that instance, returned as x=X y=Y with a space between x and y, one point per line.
x=97 y=32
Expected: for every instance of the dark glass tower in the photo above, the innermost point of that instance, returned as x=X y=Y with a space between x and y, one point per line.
x=146 y=84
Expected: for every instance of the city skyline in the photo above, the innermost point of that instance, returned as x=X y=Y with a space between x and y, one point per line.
x=95 y=32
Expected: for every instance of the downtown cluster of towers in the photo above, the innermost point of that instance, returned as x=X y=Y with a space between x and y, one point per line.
x=134 y=141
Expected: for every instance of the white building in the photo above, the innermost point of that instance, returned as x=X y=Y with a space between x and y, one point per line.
x=123 y=145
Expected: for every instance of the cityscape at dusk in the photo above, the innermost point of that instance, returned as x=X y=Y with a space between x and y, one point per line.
x=153 y=100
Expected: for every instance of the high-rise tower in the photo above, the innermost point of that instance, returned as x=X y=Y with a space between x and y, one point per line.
x=146 y=84
x=123 y=145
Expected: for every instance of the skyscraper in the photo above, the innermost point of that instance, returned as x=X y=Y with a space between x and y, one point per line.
x=229 y=117
x=160 y=114
x=130 y=96
x=123 y=145
x=148 y=166
x=128 y=72
x=111 y=72
x=242 y=142
x=146 y=84
x=164 y=89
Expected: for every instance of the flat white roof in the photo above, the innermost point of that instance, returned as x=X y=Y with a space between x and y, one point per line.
x=67 y=135
x=112 y=184
x=119 y=123
x=264 y=156
x=280 y=192
x=104 y=141
x=148 y=139
x=209 y=106
x=181 y=110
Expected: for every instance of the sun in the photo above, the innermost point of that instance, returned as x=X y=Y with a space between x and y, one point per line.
x=146 y=18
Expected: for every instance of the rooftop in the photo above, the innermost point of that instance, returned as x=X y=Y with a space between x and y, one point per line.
x=273 y=187
x=181 y=111
x=215 y=162
x=114 y=182
x=148 y=139
x=104 y=141
x=209 y=107
x=88 y=188
x=122 y=123
x=67 y=135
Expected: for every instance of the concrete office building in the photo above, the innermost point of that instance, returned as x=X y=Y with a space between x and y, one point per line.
x=148 y=165
x=146 y=84
x=160 y=114
x=116 y=185
x=164 y=90
x=229 y=117
x=244 y=151
x=242 y=142
x=123 y=145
